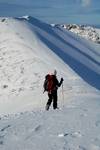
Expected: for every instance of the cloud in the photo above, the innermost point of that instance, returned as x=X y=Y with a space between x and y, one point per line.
x=85 y=3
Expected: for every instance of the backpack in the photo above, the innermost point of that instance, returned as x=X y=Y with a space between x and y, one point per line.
x=49 y=83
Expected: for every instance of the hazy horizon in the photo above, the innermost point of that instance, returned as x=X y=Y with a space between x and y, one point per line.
x=54 y=11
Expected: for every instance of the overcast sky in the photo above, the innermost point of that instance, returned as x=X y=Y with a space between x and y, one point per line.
x=54 y=11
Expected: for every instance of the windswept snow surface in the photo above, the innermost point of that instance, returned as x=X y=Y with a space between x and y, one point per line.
x=29 y=49
x=74 y=127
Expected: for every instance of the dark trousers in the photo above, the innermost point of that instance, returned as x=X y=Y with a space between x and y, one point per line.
x=52 y=97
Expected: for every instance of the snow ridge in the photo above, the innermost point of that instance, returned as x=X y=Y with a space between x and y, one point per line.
x=30 y=49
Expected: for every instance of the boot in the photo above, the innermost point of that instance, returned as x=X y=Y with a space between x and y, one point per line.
x=47 y=107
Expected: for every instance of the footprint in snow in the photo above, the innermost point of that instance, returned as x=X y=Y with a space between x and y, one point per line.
x=37 y=128
x=85 y=109
x=3 y=129
x=1 y=139
x=97 y=123
x=2 y=134
x=74 y=135
x=1 y=142
x=83 y=115
x=82 y=148
x=63 y=134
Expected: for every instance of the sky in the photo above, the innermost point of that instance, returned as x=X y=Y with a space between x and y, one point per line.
x=54 y=11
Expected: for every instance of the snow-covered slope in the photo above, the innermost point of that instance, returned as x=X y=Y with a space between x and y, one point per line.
x=24 y=62
x=29 y=49
x=74 y=127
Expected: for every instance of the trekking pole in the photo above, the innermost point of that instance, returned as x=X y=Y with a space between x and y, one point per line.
x=62 y=95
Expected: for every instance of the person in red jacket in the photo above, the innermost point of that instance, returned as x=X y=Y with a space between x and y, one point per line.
x=51 y=85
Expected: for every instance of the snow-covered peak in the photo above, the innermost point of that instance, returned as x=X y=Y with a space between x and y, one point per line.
x=87 y=32
x=25 y=17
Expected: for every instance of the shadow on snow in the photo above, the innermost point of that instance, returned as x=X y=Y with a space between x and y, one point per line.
x=67 y=50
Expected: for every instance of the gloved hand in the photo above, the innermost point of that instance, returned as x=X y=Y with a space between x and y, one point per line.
x=62 y=79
